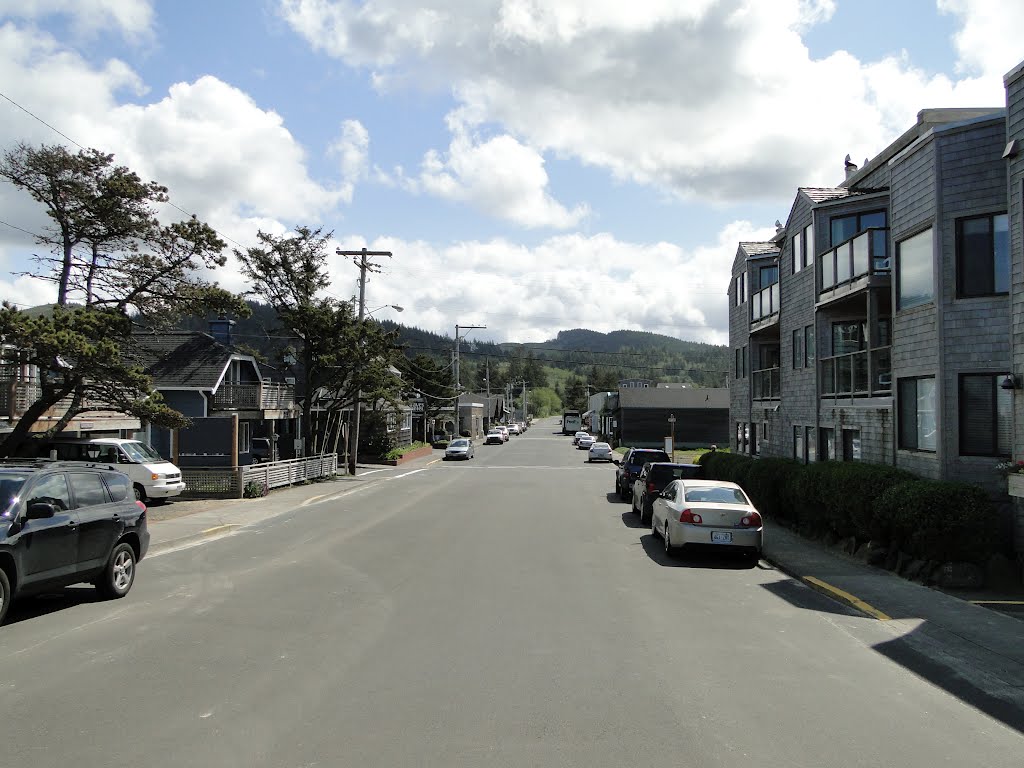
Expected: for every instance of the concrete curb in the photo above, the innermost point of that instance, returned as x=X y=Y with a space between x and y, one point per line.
x=824 y=588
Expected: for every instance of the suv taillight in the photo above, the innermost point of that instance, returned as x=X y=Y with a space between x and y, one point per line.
x=753 y=520
x=140 y=505
x=650 y=488
x=689 y=516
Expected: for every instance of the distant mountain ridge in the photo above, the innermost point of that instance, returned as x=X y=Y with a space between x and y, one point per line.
x=614 y=341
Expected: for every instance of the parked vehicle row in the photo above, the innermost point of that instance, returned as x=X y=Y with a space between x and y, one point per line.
x=498 y=434
x=683 y=508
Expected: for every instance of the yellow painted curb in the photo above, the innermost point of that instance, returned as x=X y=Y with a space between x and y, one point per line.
x=996 y=602
x=845 y=597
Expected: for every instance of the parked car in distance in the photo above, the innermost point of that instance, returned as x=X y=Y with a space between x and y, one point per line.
x=504 y=431
x=63 y=523
x=652 y=480
x=629 y=466
x=494 y=437
x=584 y=442
x=707 y=513
x=461 y=448
x=601 y=452
x=576 y=437
x=514 y=429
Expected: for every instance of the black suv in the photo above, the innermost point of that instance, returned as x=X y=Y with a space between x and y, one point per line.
x=630 y=465
x=653 y=479
x=67 y=522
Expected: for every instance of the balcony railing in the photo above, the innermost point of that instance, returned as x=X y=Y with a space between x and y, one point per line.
x=864 y=254
x=857 y=374
x=764 y=303
x=252 y=397
x=766 y=384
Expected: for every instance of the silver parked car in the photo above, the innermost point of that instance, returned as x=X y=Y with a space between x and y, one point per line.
x=460 y=448
x=706 y=513
x=585 y=441
x=601 y=452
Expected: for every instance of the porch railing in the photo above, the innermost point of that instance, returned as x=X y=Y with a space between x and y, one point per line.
x=864 y=254
x=251 y=397
x=764 y=303
x=857 y=374
x=766 y=384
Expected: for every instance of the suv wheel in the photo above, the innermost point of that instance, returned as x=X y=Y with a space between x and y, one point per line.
x=140 y=494
x=5 y=595
x=119 y=575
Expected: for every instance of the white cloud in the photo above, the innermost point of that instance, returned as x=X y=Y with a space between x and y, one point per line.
x=134 y=18
x=499 y=176
x=717 y=99
x=988 y=42
x=352 y=149
x=569 y=281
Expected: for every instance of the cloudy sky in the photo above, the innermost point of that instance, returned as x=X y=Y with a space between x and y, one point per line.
x=533 y=165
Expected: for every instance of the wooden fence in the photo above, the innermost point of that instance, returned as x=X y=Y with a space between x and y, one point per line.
x=228 y=482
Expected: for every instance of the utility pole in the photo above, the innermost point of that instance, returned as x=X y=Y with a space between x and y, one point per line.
x=364 y=267
x=458 y=382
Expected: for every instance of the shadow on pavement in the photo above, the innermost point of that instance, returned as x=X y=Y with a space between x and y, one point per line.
x=613 y=498
x=709 y=560
x=903 y=652
x=40 y=605
x=800 y=595
x=632 y=520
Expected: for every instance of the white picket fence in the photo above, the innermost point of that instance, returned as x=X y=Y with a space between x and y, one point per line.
x=208 y=482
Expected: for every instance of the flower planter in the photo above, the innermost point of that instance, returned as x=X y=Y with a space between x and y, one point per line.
x=1015 y=484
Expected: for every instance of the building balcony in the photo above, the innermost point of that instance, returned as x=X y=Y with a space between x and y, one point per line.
x=867 y=373
x=766 y=384
x=17 y=396
x=860 y=262
x=764 y=307
x=254 y=397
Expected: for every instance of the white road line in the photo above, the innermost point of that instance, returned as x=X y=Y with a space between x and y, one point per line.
x=406 y=474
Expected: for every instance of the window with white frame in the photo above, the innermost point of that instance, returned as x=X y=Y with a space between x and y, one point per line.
x=917 y=424
x=986 y=415
x=798 y=253
x=914 y=278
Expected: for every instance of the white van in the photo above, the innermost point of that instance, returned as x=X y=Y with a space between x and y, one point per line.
x=152 y=476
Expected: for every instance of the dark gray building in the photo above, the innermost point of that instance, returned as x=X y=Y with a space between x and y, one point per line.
x=886 y=336
x=640 y=417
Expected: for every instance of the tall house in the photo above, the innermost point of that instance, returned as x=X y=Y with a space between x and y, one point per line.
x=1013 y=152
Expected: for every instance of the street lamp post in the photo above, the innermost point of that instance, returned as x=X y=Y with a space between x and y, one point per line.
x=672 y=434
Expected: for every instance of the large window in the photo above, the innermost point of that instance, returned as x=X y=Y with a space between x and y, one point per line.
x=851 y=445
x=809 y=345
x=847 y=337
x=828 y=444
x=917 y=414
x=986 y=415
x=799 y=451
x=798 y=352
x=798 y=252
x=809 y=244
x=983 y=255
x=914 y=284
x=845 y=227
x=768 y=276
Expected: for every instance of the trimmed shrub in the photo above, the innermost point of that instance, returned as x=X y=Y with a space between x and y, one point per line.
x=724 y=466
x=941 y=521
x=766 y=483
x=847 y=492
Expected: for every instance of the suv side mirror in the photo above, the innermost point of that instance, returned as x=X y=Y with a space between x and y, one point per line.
x=40 y=510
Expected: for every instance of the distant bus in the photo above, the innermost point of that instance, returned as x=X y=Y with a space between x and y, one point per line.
x=572 y=422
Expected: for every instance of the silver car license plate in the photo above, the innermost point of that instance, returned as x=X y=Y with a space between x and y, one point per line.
x=721 y=537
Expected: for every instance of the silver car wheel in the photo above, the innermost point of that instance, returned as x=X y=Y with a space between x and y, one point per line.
x=123 y=570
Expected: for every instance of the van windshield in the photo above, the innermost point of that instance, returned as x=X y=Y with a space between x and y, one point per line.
x=141 y=452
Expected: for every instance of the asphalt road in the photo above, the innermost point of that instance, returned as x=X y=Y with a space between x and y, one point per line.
x=505 y=611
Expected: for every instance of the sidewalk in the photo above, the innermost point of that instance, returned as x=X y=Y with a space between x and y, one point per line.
x=973 y=652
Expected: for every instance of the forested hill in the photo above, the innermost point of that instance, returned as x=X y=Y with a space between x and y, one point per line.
x=599 y=359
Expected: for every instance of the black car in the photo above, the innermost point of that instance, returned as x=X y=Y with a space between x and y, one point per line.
x=653 y=479
x=63 y=523
x=629 y=466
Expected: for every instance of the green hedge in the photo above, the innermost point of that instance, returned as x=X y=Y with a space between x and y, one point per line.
x=928 y=519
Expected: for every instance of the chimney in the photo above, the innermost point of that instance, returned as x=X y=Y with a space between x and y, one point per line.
x=220 y=329
x=851 y=167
